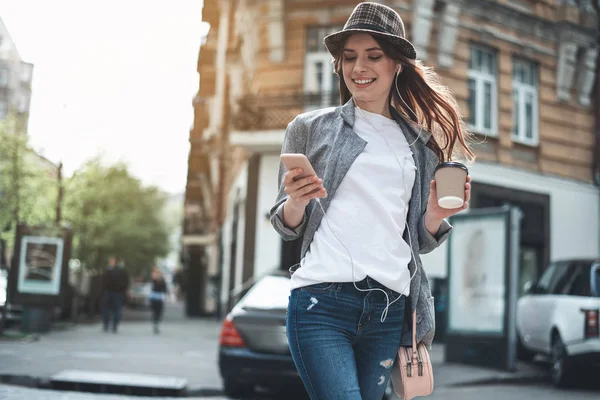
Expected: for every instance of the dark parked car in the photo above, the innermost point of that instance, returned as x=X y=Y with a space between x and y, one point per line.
x=253 y=346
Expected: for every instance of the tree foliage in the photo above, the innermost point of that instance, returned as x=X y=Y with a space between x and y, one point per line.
x=112 y=213
x=28 y=182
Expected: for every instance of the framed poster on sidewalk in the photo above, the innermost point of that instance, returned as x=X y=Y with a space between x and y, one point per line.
x=483 y=267
x=39 y=271
x=40 y=265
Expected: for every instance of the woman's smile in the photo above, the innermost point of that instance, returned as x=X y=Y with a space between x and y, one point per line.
x=363 y=82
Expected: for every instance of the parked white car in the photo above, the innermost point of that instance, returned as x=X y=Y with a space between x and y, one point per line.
x=558 y=316
x=3 y=288
x=138 y=295
x=13 y=312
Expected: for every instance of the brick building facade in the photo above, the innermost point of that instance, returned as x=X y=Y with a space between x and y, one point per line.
x=523 y=72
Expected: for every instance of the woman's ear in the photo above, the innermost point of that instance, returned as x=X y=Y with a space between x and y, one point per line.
x=399 y=69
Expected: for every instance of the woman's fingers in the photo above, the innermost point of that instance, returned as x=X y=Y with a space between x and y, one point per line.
x=308 y=189
x=303 y=189
x=319 y=192
x=291 y=175
x=301 y=186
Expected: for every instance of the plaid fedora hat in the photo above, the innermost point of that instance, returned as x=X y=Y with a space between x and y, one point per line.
x=376 y=19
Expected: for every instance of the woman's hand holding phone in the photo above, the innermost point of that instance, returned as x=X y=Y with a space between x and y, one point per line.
x=301 y=184
x=300 y=190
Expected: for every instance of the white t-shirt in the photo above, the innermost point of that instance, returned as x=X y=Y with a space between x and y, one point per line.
x=367 y=215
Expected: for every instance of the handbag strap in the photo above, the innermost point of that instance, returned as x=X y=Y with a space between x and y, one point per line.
x=414 y=332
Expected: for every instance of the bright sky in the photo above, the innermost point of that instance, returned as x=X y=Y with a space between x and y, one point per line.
x=115 y=77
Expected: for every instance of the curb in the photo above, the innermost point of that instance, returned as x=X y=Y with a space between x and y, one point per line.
x=28 y=338
x=517 y=380
x=24 y=381
x=522 y=376
x=33 y=382
x=200 y=391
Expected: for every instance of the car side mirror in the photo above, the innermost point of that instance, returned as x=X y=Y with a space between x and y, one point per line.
x=529 y=287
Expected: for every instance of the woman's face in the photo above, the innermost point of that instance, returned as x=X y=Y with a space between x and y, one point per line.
x=368 y=72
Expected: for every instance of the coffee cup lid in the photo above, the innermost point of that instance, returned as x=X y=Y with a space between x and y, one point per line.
x=452 y=164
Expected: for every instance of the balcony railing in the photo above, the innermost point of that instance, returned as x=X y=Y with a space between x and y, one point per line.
x=275 y=111
x=196 y=225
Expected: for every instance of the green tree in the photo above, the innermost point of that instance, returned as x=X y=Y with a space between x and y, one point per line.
x=28 y=181
x=112 y=213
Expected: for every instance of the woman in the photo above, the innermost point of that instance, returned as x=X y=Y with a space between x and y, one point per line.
x=157 y=297
x=374 y=157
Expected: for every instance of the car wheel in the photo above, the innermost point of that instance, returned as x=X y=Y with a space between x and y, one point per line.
x=238 y=390
x=560 y=365
x=523 y=353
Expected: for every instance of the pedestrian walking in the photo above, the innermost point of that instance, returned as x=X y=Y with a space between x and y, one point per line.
x=369 y=212
x=157 y=297
x=115 y=283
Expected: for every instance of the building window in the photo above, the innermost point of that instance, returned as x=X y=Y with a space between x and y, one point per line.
x=483 y=92
x=4 y=73
x=525 y=102
x=25 y=73
x=321 y=84
x=23 y=105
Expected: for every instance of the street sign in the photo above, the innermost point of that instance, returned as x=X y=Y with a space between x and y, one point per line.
x=483 y=251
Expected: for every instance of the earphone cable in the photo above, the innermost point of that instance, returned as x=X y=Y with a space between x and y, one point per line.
x=388 y=303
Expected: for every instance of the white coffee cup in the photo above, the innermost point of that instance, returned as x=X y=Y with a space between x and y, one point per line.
x=450 y=178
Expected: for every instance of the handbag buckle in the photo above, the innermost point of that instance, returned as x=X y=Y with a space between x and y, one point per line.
x=408 y=364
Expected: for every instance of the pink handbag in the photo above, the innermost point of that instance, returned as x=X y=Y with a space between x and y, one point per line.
x=412 y=374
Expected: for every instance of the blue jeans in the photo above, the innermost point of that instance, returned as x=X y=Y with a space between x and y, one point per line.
x=340 y=347
x=113 y=301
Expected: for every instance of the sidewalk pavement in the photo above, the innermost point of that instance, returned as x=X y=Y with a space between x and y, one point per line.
x=185 y=348
x=453 y=374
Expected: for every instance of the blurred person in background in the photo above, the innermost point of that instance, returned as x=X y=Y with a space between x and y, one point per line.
x=157 y=297
x=114 y=286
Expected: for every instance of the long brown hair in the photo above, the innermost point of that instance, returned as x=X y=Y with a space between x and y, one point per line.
x=434 y=105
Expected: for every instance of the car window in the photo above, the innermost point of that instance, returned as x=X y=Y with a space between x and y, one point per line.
x=270 y=292
x=543 y=284
x=595 y=280
x=581 y=282
x=562 y=278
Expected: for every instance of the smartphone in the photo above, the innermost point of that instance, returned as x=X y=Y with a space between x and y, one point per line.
x=298 y=160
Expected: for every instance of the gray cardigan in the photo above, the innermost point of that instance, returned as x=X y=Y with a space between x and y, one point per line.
x=327 y=138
